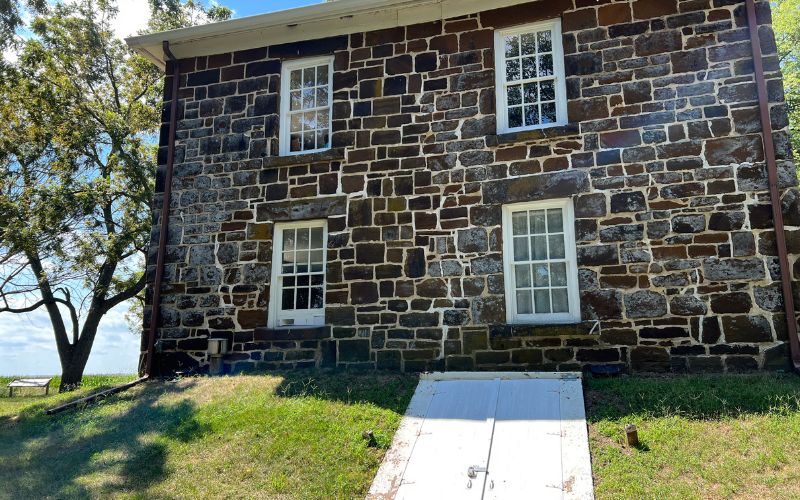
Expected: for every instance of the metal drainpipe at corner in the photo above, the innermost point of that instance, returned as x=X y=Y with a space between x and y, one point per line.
x=165 y=203
x=772 y=174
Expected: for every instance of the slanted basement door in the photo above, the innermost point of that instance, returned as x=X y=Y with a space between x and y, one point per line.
x=472 y=436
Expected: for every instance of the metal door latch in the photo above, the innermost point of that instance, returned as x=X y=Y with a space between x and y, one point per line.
x=473 y=470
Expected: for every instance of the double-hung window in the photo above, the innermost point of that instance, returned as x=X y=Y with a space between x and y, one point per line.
x=529 y=72
x=540 y=263
x=299 y=255
x=306 y=105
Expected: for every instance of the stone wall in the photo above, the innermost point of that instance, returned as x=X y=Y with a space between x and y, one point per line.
x=663 y=158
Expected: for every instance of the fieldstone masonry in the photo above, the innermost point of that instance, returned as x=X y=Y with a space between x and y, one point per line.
x=663 y=158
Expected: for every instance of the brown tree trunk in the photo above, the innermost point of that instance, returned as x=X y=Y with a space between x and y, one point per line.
x=71 y=375
x=75 y=357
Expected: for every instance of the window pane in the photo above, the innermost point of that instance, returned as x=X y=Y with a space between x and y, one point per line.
x=303 y=280
x=322 y=138
x=521 y=249
x=555 y=221
x=296 y=123
x=317 y=279
x=288 y=240
x=547 y=90
x=537 y=222
x=528 y=44
x=560 y=300
x=542 y=301
x=530 y=93
x=545 y=39
x=308 y=98
x=322 y=118
x=524 y=302
x=514 y=95
x=557 y=246
x=539 y=246
x=528 y=67
x=308 y=77
x=541 y=276
x=548 y=113
x=316 y=298
x=316 y=256
x=512 y=46
x=308 y=141
x=322 y=96
x=302 y=261
x=316 y=237
x=519 y=223
x=512 y=70
x=302 y=298
x=287 y=299
x=296 y=142
x=545 y=65
x=322 y=75
x=515 y=117
x=296 y=102
x=558 y=274
x=294 y=79
x=288 y=281
x=522 y=275
x=302 y=238
x=532 y=115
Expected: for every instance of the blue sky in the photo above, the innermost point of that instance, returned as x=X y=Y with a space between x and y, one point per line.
x=27 y=346
x=251 y=7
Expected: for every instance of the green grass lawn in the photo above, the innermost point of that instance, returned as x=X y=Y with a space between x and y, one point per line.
x=298 y=435
x=733 y=436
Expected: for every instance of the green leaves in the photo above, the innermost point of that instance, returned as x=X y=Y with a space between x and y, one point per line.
x=786 y=23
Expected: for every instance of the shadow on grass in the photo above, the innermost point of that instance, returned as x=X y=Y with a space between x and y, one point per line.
x=695 y=397
x=98 y=450
x=391 y=391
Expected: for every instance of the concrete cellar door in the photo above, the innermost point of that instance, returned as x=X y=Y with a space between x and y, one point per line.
x=490 y=436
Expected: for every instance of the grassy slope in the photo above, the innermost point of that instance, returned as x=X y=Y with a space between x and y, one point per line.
x=298 y=435
x=702 y=437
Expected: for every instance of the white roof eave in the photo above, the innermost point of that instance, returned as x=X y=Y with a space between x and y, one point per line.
x=339 y=17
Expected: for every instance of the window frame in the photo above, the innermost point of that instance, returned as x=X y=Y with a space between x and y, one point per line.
x=570 y=253
x=285 y=131
x=501 y=92
x=306 y=318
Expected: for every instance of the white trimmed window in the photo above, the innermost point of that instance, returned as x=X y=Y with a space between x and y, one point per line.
x=297 y=292
x=529 y=72
x=540 y=264
x=306 y=105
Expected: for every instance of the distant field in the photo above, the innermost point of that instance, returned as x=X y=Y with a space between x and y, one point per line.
x=298 y=435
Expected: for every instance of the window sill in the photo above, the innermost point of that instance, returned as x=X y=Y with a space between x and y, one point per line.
x=292 y=333
x=303 y=159
x=578 y=328
x=533 y=135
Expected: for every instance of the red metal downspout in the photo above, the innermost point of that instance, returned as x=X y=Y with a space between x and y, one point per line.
x=165 y=202
x=775 y=197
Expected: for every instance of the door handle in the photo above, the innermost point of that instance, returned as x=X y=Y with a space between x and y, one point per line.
x=473 y=470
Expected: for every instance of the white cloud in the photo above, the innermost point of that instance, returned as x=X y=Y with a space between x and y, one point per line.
x=131 y=18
